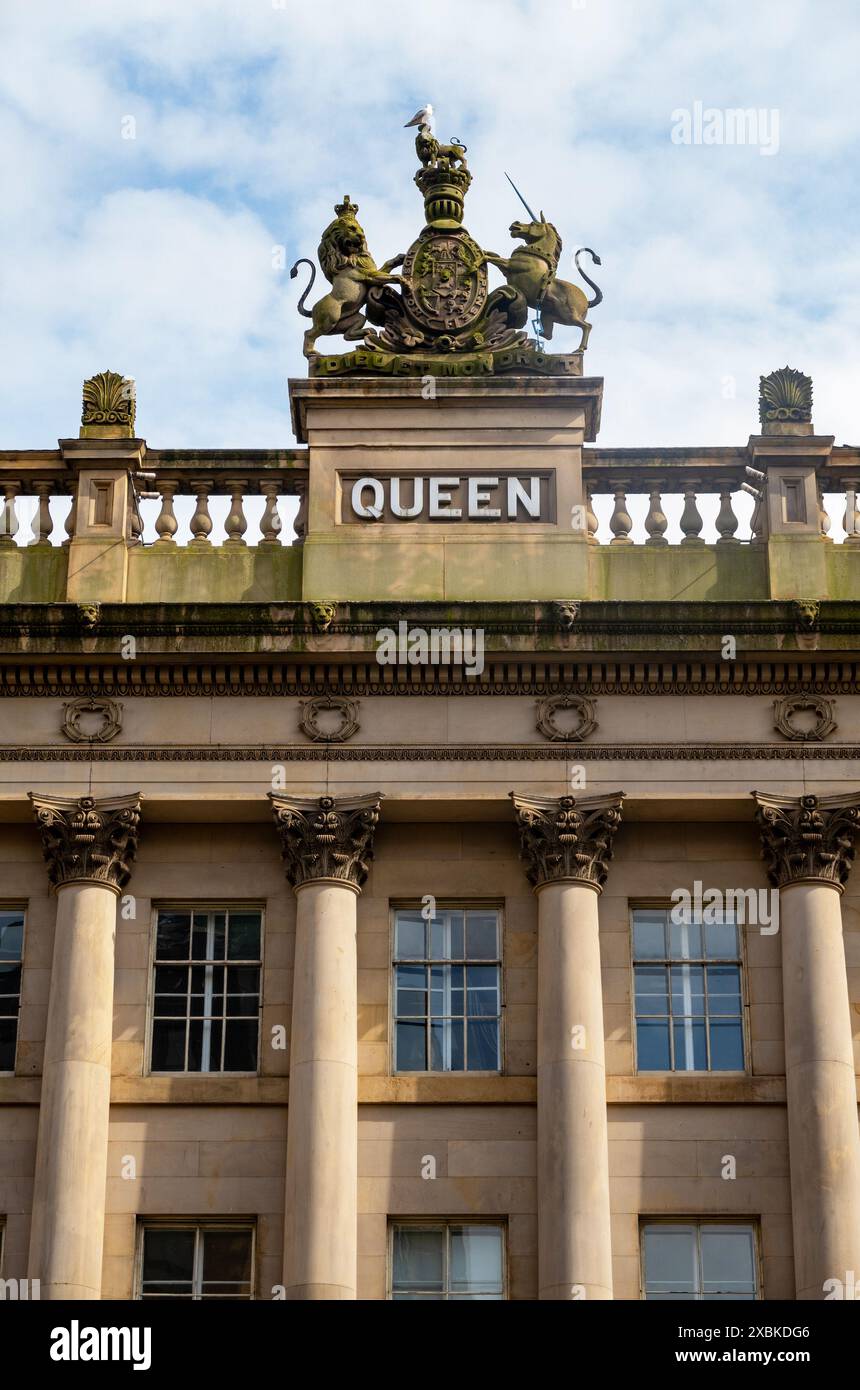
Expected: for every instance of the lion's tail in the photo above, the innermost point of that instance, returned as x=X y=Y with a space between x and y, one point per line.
x=598 y=293
x=303 y=260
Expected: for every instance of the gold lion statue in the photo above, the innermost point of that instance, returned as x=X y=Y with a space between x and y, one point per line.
x=352 y=272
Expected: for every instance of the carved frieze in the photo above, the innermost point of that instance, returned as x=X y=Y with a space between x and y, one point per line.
x=109 y=713
x=785 y=709
x=88 y=839
x=345 y=724
x=324 y=838
x=584 y=722
x=567 y=838
x=808 y=837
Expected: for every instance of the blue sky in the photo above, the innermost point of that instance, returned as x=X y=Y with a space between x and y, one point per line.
x=153 y=255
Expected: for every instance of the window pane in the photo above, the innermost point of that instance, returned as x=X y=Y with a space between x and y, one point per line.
x=174 y=936
x=670 y=1260
x=727 y=1045
x=652 y=1046
x=240 y=1046
x=439 y=938
x=419 y=1259
x=243 y=936
x=482 y=936
x=411 y=1047
x=168 y=1046
x=476 y=1259
x=482 y=1043
x=728 y=1260
x=409 y=937
x=11 y=935
x=458 y=945
x=721 y=941
x=688 y=990
x=652 y=989
x=649 y=935
x=690 y=1047
x=724 y=989
x=8 y=1035
x=685 y=940
x=226 y=1259
x=168 y=1261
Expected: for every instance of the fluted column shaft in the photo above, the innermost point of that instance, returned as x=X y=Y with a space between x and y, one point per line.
x=808 y=842
x=567 y=845
x=89 y=846
x=326 y=849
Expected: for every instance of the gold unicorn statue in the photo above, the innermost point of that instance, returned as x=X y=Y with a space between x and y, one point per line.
x=531 y=271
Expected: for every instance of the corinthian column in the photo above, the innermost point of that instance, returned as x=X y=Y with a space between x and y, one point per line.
x=89 y=847
x=566 y=845
x=808 y=844
x=326 y=846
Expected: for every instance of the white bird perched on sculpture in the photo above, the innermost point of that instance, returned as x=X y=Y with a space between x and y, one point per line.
x=424 y=117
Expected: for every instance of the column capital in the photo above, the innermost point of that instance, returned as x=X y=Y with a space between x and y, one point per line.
x=808 y=838
x=565 y=838
x=85 y=839
x=326 y=838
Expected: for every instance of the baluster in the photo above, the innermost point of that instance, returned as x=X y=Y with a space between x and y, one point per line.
x=69 y=523
x=590 y=516
x=300 y=525
x=9 y=515
x=727 y=522
x=201 y=521
x=851 y=519
x=621 y=522
x=691 y=520
x=656 y=521
x=824 y=515
x=236 y=525
x=44 y=524
x=167 y=525
x=270 y=524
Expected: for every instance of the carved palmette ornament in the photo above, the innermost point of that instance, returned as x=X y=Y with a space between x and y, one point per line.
x=108 y=399
x=567 y=838
x=546 y=718
x=85 y=839
x=324 y=838
x=784 y=709
x=111 y=715
x=785 y=397
x=808 y=837
x=323 y=704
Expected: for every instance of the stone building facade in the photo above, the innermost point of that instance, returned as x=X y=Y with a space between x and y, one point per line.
x=345 y=950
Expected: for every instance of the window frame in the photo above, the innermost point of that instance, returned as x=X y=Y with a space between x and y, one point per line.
x=17 y=905
x=751 y=1223
x=661 y=905
x=205 y=905
x=444 y=905
x=198 y=1225
x=433 y=1222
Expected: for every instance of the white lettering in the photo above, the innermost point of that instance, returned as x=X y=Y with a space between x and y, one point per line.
x=479 y=497
x=530 y=500
x=440 y=502
x=376 y=508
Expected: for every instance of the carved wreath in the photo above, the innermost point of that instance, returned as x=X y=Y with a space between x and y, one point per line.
x=546 y=721
x=321 y=704
x=111 y=714
x=784 y=709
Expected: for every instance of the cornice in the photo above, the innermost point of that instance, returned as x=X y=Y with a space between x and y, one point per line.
x=456 y=753
x=306 y=675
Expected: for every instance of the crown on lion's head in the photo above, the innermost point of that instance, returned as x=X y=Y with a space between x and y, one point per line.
x=343 y=242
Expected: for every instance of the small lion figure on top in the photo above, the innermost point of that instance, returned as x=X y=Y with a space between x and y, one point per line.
x=351 y=270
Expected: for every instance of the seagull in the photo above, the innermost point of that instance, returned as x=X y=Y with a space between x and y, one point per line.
x=424 y=117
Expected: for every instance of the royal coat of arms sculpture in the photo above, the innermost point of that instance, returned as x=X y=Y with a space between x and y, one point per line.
x=439 y=313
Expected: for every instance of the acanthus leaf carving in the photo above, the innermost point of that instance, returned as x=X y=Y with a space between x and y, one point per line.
x=326 y=838
x=808 y=837
x=567 y=838
x=84 y=839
